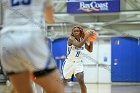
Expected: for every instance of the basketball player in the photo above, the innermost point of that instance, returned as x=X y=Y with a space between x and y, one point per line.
x=23 y=49
x=73 y=64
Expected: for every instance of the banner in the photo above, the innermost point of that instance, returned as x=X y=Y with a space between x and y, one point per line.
x=91 y=6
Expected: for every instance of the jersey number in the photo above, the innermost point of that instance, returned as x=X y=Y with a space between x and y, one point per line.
x=69 y=50
x=20 y=2
x=77 y=54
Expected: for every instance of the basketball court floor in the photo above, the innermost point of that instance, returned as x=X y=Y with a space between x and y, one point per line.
x=91 y=88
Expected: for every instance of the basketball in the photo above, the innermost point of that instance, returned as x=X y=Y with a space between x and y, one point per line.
x=91 y=38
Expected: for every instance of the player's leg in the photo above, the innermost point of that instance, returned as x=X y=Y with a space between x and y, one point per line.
x=13 y=90
x=67 y=71
x=65 y=81
x=51 y=82
x=21 y=82
x=80 y=77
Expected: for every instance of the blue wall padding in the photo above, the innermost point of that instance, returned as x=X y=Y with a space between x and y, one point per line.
x=138 y=66
x=124 y=60
x=59 y=48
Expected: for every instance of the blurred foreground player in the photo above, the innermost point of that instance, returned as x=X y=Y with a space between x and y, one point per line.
x=23 y=47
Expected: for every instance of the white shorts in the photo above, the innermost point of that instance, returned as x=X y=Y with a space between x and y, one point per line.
x=72 y=67
x=24 y=48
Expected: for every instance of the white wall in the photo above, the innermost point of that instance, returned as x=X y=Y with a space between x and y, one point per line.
x=90 y=67
x=97 y=73
x=104 y=58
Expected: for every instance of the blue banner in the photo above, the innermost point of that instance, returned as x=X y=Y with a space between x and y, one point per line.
x=92 y=6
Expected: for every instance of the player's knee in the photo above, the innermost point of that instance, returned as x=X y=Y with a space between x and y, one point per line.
x=65 y=82
x=81 y=80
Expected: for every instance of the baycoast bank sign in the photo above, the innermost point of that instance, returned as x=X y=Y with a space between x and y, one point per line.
x=89 y=6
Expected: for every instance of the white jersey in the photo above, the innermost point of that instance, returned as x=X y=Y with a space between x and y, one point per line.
x=74 y=53
x=23 y=12
x=23 y=43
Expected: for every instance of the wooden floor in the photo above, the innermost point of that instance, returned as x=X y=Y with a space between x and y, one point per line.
x=91 y=88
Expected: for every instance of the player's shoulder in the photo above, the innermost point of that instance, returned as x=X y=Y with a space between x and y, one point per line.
x=71 y=38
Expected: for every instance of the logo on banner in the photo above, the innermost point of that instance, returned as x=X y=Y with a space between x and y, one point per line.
x=93 y=6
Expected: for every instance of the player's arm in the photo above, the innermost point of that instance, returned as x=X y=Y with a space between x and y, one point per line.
x=48 y=12
x=72 y=41
x=89 y=47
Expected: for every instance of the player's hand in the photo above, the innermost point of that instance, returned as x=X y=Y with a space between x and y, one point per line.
x=90 y=33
